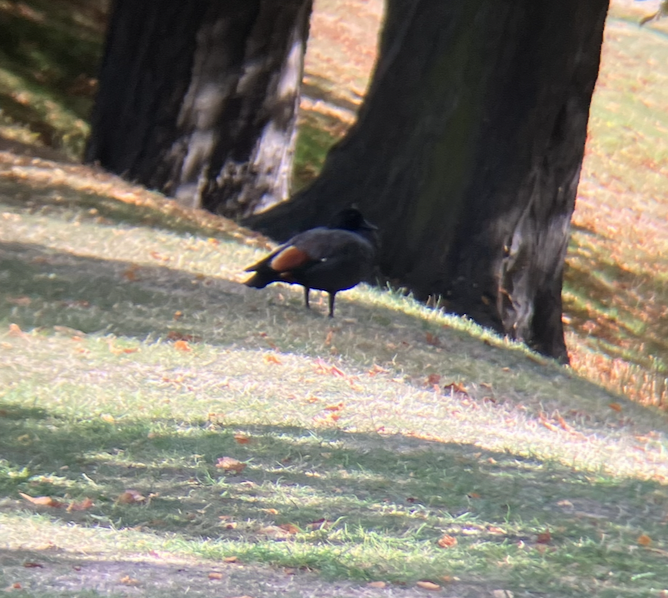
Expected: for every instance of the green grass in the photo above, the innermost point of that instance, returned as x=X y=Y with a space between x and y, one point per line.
x=133 y=360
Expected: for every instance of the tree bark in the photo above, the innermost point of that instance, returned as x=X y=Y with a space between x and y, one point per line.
x=199 y=99
x=467 y=153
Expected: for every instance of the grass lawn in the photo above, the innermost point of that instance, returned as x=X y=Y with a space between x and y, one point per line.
x=165 y=430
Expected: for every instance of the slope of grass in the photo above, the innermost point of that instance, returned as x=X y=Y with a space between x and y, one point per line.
x=393 y=444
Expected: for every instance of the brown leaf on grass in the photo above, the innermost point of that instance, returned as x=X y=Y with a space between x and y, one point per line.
x=33 y=565
x=15 y=330
x=562 y=422
x=291 y=528
x=271 y=358
x=336 y=407
x=178 y=314
x=319 y=524
x=323 y=368
x=546 y=423
x=230 y=465
x=158 y=256
x=377 y=584
x=130 y=273
x=447 y=541
x=492 y=529
x=215 y=575
x=376 y=369
x=615 y=407
x=182 y=346
x=644 y=540
x=428 y=585
x=130 y=497
x=433 y=379
x=432 y=340
x=128 y=581
x=230 y=559
x=81 y=505
x=544 y=537
x=42 y=501
x=22 y=301
x=456 y=388
x=241 y=439
x=329 y=337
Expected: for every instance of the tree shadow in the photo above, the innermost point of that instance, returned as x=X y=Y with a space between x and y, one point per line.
x=622 y=308
x=322 y=482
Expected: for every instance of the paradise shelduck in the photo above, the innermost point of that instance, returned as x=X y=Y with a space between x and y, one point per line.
x=331 y=259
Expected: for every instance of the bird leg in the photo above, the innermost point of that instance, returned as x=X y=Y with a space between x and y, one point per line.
x=331 y=304
x=306 y=298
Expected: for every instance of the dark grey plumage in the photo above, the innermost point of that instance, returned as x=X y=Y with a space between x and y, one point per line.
x=331 y=259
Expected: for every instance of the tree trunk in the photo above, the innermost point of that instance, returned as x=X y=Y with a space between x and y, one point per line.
x=199 y=99
x=467 y=153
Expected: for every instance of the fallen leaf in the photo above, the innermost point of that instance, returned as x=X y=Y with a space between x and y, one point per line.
x=290 y=528
x=492 y=529
x=15 y=330
x=32 y=565
x=447 y=541
x=544 y=537
x=230 y=559
x=329 y=337
x=644 y=540
x=428 y=585
x=432 y=340
x=376 y=369
x=230 y=464
x=20 y=301
x=377 y=584
x=433 y=379
x=178 y=314
x=105 y=417
x=130 y=497
x=82 y=505
x=42 y=501
x=546 y=423
x=241 y=439
x=129 y=581
x=182 y=345
x=158 y=256
x=271 y=358
x=131 y=273
x=615 y=407
x=337 y=407
x=456 y=387
x=215 y=575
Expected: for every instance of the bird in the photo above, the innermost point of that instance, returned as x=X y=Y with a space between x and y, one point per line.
x=331 y=259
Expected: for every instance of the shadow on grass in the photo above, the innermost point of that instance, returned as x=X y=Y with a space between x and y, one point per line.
x=335 y=486
x=51 y=44
x=624 y=309
x=97 y=207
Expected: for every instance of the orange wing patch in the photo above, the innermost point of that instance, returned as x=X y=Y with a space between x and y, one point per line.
x=289 y=259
